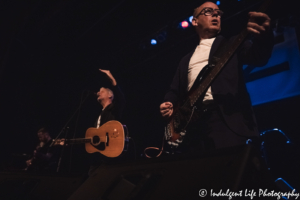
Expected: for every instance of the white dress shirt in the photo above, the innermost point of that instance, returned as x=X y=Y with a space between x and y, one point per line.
x=198 y=61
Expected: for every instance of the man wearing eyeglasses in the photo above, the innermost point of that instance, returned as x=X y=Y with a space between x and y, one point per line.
x=228 y=119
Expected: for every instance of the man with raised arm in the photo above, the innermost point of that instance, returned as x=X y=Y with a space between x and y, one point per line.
x=113 y=103
x=112 y=100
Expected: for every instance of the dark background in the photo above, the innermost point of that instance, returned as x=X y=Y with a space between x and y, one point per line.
x=51 y=52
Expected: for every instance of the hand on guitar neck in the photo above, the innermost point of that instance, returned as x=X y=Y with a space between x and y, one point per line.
x=166 y=109
x=60 y=142
x=258 y=24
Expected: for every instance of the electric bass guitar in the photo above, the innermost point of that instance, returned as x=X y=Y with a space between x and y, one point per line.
x=186 y=112
x=108 y=139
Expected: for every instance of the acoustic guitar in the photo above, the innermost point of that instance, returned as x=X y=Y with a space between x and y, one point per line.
x=108 y=139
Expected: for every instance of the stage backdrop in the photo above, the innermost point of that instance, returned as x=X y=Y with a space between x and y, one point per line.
x=280 y=78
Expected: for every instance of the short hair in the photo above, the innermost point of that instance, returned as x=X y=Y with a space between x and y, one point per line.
x=111 y=93
x=43 y=130
x=195 y=12
x=196 y=9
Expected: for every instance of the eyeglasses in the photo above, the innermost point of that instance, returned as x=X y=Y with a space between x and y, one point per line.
x=210 y=11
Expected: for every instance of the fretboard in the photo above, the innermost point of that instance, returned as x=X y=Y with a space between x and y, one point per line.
x=79 y=140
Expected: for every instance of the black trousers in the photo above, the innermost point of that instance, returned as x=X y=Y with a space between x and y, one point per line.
x=210 y=132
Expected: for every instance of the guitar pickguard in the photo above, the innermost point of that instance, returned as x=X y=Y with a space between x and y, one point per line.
x=112 y=139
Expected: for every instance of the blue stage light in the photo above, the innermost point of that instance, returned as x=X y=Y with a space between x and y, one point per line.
x=218 y=3
x=285 y=183
x=191 y=19
x=153 y=42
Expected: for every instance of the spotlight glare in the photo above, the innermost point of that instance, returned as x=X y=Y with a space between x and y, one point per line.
x=184 y=24
x=153 y=42
x=218 y=3
x=191 y=19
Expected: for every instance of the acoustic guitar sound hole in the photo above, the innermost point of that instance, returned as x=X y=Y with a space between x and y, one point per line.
x=96 y=140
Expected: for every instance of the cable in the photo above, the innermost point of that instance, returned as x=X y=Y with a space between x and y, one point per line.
x=155 y=148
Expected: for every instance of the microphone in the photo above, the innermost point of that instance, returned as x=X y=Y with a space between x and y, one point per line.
x=92 y=92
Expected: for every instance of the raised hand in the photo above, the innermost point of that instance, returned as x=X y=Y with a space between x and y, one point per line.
x=110 y=76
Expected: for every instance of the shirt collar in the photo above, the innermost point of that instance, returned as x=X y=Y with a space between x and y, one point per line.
x=207 y=42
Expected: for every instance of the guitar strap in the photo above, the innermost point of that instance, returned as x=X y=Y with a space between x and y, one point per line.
x=194 y=95
x=211 y=63
x=219 y=52
x=98 y=121
x=219 y=59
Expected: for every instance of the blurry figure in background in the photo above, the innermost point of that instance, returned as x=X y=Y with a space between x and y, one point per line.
x=45 y=156
x=112 y=101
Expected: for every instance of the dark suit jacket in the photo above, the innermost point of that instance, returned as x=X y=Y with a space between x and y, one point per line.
x=115 y=109
x=228 y=89
x=111 y=112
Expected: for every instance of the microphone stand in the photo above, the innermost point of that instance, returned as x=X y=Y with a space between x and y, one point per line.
x=62 y=130
x=62 y=151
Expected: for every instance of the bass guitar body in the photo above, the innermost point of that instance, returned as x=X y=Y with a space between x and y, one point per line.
x=186 y=113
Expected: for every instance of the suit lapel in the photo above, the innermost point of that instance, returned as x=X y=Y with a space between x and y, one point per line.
x=186 y=63
x=184 y=73
x=215 y=46
x=187 y=58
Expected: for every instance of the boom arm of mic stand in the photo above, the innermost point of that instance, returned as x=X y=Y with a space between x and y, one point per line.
x=62 y=130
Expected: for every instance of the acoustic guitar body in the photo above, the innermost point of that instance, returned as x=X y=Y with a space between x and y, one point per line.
x=108 y=139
